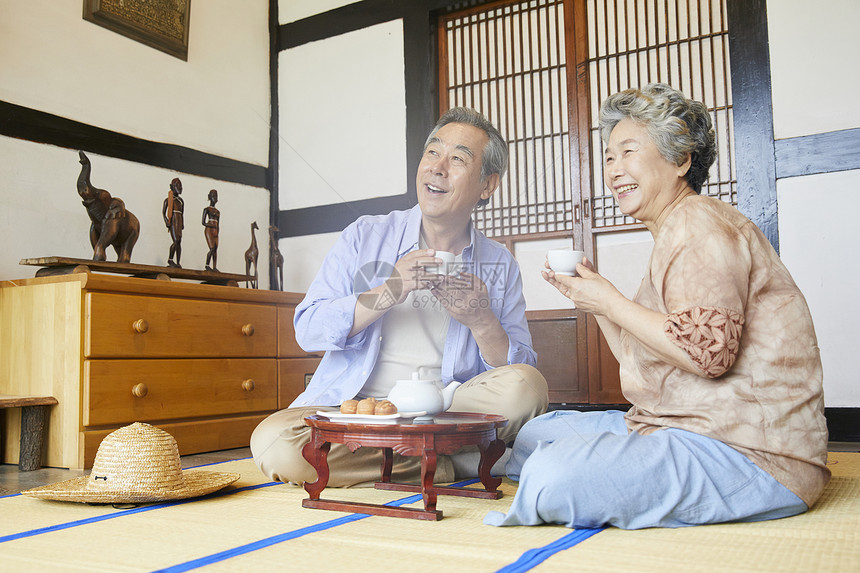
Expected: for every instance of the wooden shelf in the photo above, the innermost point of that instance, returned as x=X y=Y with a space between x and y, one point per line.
x=52 y=266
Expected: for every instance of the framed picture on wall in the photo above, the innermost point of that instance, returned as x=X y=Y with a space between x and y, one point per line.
x=160 y=24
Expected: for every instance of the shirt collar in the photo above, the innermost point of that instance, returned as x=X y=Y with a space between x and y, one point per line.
x=413 y=234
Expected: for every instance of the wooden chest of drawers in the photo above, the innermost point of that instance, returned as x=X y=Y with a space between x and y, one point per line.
x=206 y=363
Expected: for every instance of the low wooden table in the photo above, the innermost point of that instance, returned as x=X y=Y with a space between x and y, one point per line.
x=448 y=433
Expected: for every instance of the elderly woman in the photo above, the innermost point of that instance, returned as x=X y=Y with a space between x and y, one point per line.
x=717 y=350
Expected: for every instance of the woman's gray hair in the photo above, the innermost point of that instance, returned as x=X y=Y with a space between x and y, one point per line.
x=676 y=125
x=495 y=153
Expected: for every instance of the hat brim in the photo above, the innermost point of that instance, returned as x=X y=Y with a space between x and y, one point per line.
x=197 y=483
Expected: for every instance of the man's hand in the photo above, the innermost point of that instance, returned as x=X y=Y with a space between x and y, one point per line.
x=465 y=297
x=467 y=300
x=410 y=274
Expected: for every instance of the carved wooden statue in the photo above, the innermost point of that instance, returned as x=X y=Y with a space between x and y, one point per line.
x=251 y=256
x=211 y=226
x=112 y=224
x=277 y=260
x=172 y=212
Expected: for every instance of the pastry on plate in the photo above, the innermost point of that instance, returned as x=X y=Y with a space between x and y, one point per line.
x=349 y=407
x=366 y=407
x=384 y=408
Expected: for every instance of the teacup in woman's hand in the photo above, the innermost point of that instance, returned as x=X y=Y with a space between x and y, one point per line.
x=564 y=261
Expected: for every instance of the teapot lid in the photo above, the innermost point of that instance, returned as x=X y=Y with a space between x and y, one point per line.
x=416 y=377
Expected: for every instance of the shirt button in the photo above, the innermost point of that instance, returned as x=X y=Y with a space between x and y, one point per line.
x=364 y=373
x=380 y=339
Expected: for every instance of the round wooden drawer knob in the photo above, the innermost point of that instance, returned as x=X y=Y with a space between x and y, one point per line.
x=248 y=385
x=248 y=330
x=140 y=326
x=140 y=390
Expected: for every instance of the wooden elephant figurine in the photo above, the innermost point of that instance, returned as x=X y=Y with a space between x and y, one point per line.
x=112 y=224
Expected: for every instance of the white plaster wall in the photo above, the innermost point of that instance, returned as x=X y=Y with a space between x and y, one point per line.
x=813 y=49
x=814 y=81
x=218 y=102
x=303 y=256
x=343 y=134
x=622 y=258
x=292 y=10
x=818 y=245
x=41 y=213
x=531 y=256
x=53 y=60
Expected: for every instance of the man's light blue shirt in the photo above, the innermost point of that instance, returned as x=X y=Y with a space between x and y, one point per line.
x=363 y=258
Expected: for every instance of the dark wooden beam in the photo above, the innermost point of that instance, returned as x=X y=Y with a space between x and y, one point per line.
x=339 y=21
x=819 y=153
x=350 y=18
x=334 y=218
x=753 y=115
x=33 y=125
x=272 y=178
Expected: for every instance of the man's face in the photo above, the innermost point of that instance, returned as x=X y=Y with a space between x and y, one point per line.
x=449 y=181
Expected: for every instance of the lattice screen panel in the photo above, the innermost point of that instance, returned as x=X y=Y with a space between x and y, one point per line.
x=509 y=63
x=683 y=43
x=507 y=60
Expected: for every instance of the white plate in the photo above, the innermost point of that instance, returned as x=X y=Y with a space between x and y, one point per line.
x=368 y=418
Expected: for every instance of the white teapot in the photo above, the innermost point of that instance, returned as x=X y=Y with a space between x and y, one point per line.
x=417 y=395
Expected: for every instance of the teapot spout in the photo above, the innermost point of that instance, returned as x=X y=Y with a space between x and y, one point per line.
x=448 y=394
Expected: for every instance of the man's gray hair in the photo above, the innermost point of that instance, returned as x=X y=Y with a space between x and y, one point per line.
x=495 y=153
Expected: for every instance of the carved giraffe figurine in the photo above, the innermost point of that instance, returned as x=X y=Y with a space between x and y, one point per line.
x=277 y=260
x=251 y=256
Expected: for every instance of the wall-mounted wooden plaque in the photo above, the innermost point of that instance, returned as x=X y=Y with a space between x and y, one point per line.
x=161 y=24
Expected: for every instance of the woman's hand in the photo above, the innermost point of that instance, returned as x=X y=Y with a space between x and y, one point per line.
x=589 y=291
x=613 y=311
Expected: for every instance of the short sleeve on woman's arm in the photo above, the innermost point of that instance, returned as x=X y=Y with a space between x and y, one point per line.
x=710 y=337
x=701 y=270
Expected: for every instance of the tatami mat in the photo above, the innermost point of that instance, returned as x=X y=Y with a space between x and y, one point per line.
x=256 y=525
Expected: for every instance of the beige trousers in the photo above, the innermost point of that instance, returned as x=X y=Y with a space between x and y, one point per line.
x=518 y=392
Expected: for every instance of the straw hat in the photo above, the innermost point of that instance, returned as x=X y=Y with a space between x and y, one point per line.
x=136 y=464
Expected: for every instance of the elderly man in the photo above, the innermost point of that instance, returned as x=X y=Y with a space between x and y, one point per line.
x=380 y=310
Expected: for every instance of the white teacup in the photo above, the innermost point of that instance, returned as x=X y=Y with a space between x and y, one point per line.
x=447 y=267
x=564 y=261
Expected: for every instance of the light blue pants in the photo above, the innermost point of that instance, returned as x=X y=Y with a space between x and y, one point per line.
x=583 y=469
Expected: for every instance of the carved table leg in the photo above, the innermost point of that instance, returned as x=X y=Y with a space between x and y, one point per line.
x=490 y=454
x=387 y=464
x=316 y=453
x=428 y=472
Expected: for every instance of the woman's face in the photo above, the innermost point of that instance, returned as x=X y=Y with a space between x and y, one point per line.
x=643 y=182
